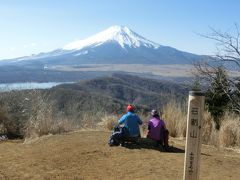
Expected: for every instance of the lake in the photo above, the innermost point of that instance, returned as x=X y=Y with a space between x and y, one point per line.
x=28 y=85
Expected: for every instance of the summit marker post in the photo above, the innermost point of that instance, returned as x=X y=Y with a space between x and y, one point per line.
x=194 y=135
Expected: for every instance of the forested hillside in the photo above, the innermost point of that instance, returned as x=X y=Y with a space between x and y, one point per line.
x=88 y=99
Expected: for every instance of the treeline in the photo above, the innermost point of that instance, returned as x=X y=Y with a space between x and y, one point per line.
x=78 y=103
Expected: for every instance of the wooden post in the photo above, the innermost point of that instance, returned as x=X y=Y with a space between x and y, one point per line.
x=194 y=133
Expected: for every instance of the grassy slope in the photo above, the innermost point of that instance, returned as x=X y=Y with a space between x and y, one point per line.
x=86 y=155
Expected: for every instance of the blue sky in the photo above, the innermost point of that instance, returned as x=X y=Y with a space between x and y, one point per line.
x=31 y=26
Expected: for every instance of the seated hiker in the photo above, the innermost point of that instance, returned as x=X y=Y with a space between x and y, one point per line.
x=157 y=130
x=127 y=129
x=130 y=122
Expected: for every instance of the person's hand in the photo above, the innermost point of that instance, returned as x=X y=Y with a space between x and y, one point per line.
x=120 y=125
x=147 y=134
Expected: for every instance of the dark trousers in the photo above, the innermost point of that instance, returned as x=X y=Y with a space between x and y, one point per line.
x=164 y=136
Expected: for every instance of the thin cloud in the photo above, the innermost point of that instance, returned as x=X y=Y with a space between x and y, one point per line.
x=29 y=45
x=12 y=49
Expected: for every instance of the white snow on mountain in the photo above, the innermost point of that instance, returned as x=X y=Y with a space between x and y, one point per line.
x=81 y=53
x=119 y=34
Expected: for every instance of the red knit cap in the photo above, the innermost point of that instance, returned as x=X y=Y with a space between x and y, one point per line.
x=130 y=107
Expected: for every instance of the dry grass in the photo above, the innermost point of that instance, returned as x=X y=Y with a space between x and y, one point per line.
x=175 y=117
x=109 y=121
x=8 y=126
x=91 y=120
x=229 y=134
x=3 y=117
x=45 y=126
x=86 y=155
x=207 y=129
x=43 y=121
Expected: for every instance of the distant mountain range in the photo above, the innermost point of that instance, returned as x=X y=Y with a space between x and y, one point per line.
x=115 y=45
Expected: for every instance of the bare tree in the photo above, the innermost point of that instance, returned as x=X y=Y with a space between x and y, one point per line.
x=228 y=44
x=228 y=58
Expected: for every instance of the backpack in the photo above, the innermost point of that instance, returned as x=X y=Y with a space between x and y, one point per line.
x=115 y=139
x=117 y=136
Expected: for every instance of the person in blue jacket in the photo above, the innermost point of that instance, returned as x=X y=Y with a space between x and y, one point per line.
x=131 y=122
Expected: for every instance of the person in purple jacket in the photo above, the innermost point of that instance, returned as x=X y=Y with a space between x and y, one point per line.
x=157 y=130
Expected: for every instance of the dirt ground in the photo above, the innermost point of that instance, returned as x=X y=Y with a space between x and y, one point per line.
x=86 y=155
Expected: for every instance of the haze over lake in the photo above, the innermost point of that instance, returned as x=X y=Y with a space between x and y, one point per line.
x=28 y=85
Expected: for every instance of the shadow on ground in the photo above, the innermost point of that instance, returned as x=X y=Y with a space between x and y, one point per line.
x=144 y=143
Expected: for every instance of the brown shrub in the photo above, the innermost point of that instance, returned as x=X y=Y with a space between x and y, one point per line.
x=175 y=117
x=207 y=128
x=44 y=121
x=10 y=126
x=3 y=118
x=109 y=121
x=229 y=134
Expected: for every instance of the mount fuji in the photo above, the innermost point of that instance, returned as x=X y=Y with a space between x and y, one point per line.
x=115 y=45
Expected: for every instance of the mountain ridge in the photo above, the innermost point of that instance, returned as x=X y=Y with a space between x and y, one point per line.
x=115 y=45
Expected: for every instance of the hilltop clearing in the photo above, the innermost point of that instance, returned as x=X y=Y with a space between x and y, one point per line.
x=86 y=155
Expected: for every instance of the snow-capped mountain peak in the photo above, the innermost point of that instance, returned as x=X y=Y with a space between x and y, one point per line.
x=119 y=34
